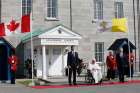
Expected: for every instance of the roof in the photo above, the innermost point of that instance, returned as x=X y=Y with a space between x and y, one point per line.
x=121 y=43
x=34 y=33
x=38 y=32
x=5 y=41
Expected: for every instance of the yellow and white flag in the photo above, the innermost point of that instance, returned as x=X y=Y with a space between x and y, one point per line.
x=119 y=25
x=104 y=26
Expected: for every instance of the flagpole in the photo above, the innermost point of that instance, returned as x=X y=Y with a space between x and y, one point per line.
x=129 y=53
x=32 y=54
x=129 y=64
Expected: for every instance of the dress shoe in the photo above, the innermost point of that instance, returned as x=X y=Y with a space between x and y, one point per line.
x=74 y=84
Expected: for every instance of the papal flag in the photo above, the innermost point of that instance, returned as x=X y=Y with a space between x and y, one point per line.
x=104 y=26
x=119 y=25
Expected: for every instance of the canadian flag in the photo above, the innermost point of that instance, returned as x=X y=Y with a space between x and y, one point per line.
x=12 y=31
x=2 y=29
x=13 y=25
x=25 y=23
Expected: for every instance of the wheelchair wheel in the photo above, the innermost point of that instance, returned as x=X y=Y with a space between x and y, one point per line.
x=91 y=80
x=86 y=79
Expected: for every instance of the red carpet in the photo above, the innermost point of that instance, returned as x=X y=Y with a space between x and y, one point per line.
x=80 y=85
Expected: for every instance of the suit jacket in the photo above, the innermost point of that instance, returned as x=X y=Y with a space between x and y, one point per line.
x=72 y=60
x=122 y=62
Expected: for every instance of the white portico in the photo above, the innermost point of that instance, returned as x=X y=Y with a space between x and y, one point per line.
x=51 y=50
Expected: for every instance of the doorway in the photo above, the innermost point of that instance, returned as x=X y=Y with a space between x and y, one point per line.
x=55 y=61
x=3 y=63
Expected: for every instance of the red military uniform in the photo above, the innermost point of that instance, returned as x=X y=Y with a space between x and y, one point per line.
x=111 y=66
x=111 y=62
x=131 y=58
x=13 y=62
x=130 y=70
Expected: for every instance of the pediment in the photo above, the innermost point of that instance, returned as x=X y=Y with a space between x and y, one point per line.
x=60 y=32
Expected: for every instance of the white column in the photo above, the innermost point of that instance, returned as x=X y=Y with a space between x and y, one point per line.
x=63 y=67
x=44 y=65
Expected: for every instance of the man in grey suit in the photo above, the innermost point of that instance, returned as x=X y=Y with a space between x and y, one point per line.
x=72 y=63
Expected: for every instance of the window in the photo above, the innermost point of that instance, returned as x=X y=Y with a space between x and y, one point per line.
x=26 y=7
x=52 y=9
x=99 y=51
x=119 y=13
x=98 y=9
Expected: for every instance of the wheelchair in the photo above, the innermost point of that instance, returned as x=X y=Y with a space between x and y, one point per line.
x=89 y=78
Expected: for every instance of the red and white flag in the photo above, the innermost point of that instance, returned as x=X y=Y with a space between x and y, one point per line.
x=14 y=28
x=12 y=31
x=13 y=25
x=25 y=24
x=2 y=29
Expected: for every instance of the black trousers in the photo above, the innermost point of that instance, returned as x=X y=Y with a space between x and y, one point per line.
x=72 y=71
x=110 y=74
x=13 y=75
x=30 y=72
x=121 y=74
x=128 y=71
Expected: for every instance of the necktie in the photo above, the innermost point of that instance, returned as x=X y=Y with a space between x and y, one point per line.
x=73 y=53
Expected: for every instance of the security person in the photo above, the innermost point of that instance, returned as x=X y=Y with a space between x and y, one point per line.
x=72 y=63
x=13 y=66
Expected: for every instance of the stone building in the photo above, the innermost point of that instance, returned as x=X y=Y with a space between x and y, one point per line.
x=58 y=24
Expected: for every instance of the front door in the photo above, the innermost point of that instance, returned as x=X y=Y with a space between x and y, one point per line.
x=55 y=61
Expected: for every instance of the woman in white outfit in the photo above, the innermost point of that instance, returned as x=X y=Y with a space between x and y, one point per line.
x=95 y=70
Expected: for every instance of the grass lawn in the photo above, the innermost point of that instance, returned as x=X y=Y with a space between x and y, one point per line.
x=25 y=82
x=37 y=82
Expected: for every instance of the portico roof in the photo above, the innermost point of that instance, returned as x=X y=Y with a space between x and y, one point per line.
x=53 y=33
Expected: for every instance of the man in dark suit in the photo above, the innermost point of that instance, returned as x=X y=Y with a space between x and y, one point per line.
x=122 y=64
x=72 y=63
